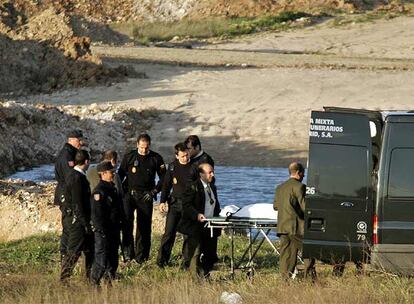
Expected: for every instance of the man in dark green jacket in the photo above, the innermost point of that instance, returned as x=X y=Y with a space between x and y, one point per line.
x=290 y=203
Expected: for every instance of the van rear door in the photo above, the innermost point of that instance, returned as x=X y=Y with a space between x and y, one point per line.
x=339 y=200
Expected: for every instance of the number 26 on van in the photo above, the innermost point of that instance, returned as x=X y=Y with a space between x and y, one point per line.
x=310 y=190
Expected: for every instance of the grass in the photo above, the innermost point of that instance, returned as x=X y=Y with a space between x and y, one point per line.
x=29 y=274
x=220 y=27
x=206 y=28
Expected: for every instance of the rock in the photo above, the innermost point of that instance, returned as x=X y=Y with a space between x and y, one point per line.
x=28 y=147
x=27 y=210
x=230 y=298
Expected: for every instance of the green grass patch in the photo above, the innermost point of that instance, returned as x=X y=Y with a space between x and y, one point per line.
x=38 y=253
x=210 y=27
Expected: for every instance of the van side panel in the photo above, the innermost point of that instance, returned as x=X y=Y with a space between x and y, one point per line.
x=395 y=202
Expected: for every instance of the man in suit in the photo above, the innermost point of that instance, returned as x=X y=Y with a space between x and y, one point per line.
x=200 y=202
x=290 y=203
x=77 y=197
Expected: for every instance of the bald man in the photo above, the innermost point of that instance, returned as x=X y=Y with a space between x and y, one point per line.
x=200 y=202
x=290 y=203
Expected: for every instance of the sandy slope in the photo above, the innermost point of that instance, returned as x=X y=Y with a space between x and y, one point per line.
x=381 y=39
x=260 y=116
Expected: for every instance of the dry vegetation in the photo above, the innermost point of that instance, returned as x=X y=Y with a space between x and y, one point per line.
x=29 y=272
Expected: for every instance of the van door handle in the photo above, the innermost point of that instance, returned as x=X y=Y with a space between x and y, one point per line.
x=316 y=224
x=347 y=204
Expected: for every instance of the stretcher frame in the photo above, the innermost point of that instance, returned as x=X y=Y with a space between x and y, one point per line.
x=263 y=227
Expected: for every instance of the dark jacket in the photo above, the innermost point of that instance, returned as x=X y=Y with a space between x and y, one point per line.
x=65 y=161
x=202 y=159
x=290 y=203
x=106 y=208
x=177 y=179
x=193 y=204
x=77 y=197
x=140 y=170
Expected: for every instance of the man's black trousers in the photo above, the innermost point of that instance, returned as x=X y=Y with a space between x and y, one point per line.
x=106 y=255
x=140 y=249
x=168 y=239
x=78 y=241
x=64 y=239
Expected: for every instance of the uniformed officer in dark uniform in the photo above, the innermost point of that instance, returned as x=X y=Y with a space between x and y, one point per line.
x=65 y=161
x=77 y=200
x=197 y=155
x=106 y=212
x=140 y=167
x=179 y=175
x=290 y=203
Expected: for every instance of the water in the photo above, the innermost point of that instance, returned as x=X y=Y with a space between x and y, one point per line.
x=239 y=186
x=39 y=174
x=246 y=185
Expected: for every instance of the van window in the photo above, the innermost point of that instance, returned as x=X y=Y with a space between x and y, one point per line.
x=400 y=183
x=339 y=171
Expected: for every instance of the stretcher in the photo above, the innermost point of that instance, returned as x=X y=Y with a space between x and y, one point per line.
x=255 y=227
x=259 y=220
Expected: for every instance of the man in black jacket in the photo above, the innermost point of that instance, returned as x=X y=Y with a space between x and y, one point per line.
x=179 y=175
x=197 y=155
x=200 y=202
x=65 y=161
x=77 y=199
x=106 y=221
x=139 y=168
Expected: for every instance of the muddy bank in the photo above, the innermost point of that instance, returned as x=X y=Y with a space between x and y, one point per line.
x=43 y=53
x=34 y=133
x=27 y=208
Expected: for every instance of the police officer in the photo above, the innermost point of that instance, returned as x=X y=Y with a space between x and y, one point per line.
x=106 y=222
x=65 y=162
x=290 y=203
x=179 y=175
x=140 y=167
x=77 y=199
x=198 y=156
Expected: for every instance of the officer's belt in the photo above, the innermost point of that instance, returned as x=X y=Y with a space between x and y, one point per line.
x=135 y=192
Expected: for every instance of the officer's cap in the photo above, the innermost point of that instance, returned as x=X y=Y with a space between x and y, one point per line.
x=105 y=166
x=75 y=134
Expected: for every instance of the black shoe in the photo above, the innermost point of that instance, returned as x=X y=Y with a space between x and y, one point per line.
x=141 y=261
x=161 y=264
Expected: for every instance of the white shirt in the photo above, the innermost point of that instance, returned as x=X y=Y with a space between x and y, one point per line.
x=79 y=170
x=208 y=208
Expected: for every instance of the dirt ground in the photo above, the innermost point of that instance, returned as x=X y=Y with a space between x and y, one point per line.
x=258 y=115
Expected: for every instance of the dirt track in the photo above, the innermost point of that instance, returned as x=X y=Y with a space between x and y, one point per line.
x=250 y=58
